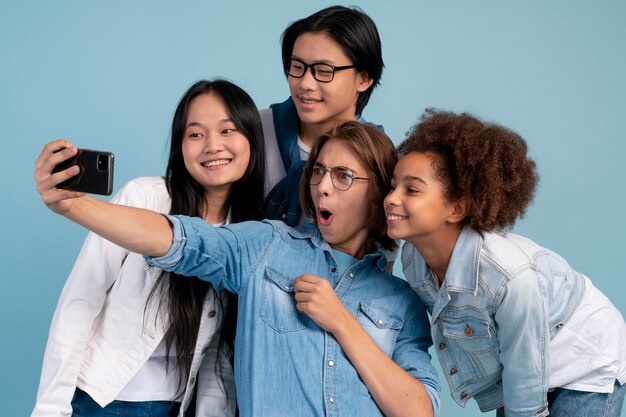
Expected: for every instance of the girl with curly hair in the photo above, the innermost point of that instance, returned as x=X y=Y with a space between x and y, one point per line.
x=513 y=325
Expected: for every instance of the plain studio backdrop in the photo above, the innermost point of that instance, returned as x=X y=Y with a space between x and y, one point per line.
x=108 y=75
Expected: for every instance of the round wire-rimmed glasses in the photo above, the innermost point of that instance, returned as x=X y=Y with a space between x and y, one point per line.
x=341 y=177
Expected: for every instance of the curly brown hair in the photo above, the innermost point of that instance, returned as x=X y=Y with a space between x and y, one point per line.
x=483 y=162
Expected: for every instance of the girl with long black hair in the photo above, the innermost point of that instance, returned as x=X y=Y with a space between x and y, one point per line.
x=126 y=336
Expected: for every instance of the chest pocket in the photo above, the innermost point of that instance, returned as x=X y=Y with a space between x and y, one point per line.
x=278 y=303
x=382 y=324
x=472 y=342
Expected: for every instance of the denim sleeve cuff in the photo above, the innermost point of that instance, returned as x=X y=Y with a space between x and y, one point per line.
x=434 y=399
x=168 y=261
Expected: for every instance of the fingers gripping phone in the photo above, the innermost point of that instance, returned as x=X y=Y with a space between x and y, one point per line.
x=96 y=172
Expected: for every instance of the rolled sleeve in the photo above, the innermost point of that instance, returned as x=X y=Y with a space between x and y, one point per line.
x=169 y=261
x=411 y=351
x=224 y=256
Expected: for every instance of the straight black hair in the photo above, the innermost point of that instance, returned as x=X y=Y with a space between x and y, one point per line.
x=183 y=296
x=353 y=30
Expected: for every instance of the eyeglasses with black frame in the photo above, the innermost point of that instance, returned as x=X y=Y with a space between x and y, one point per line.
x=323 y=73
x=341 y=177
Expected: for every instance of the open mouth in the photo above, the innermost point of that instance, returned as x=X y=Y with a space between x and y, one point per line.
x=217 y=163
x=324 y=217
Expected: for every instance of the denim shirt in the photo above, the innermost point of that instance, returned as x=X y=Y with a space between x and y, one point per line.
x=285 y=364
x=502 y=300
x=283 y=201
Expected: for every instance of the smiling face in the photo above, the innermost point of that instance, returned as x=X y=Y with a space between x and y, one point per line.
x=342 y=215
x=323 y=104
x=216 y=154
x=416 y=208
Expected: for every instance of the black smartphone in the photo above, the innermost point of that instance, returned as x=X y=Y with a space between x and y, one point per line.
x=96 y=172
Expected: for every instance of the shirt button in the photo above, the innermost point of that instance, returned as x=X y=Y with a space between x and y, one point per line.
x=204 y=349
x=463 y=395
x=192 y=380
x=331 y=363
x=380 y=322
x=468 y=331
x=453 y=371
x=331 y=399
x=333 y=270
x=284 y=216
x=212 y=314
x=351 y=274
x=442 y=346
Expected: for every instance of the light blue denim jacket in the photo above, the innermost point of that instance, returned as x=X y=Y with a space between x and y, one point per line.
x=285 y=364
x=502 y=300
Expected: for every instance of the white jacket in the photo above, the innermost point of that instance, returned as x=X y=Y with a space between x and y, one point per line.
x=99 y=337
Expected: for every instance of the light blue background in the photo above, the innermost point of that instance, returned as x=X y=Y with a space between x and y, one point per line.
x=108 y=75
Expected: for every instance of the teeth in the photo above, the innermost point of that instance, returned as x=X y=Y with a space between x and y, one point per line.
x=216 y=163
x=310 y=101
x=395 y=217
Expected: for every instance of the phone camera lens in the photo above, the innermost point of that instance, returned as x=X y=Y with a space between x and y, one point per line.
x=103 y=163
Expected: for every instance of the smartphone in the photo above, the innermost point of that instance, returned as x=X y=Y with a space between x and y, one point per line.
x=96 y=172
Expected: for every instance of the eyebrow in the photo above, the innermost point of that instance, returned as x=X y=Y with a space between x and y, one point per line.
x=410 y=178
x=194 y=124
x=336 y=166
x=327 y=62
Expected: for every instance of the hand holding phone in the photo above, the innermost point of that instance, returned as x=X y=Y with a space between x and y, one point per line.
x=96 y=172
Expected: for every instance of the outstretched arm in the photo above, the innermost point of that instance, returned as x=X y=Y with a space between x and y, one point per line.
x=138 y=230
x=396 y=392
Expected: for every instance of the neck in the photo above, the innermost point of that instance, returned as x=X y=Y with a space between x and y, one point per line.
x=437 y=249
x=310 y=133
x=357 y=247
x=212 y=210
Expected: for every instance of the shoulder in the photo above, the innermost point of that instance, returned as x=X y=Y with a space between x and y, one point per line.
x=144 y=192
x=267 y=122
x=508 y=251
x=266 y=114
x=360 y=119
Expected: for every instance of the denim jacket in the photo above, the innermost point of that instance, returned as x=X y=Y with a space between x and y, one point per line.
x=283 y=201
x=502 y=300
x=285 y=364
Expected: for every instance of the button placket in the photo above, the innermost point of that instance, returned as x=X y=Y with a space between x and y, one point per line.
x=330 y=373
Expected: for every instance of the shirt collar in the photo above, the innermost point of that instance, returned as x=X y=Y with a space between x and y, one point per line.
x=311 y=231
x=462 y=272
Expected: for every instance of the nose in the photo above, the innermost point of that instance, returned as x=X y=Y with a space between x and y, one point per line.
x=325 y=187
x=213 y=143
x=391 y=199
x=307 y=81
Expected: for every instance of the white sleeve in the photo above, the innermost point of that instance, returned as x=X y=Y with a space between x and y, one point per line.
x=81 y=300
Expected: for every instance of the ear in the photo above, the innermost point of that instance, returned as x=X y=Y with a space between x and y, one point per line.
x=458 y=210
x=364 y=81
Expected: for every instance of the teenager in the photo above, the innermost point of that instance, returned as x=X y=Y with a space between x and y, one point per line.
x=333 y=61
x=514 y=326
x=130 y=339
x=322 y=327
